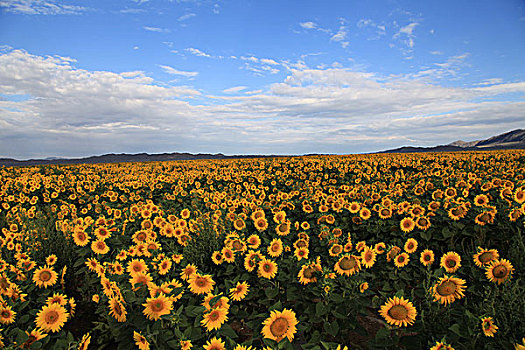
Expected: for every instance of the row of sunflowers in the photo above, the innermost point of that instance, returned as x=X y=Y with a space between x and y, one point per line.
x=412 y=251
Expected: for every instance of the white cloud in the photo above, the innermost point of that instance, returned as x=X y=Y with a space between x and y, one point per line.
x=406 y=35
x=173 y=71
x=75 y=112
x=269 y=61
x=250 y=58
x=40 y=7
x=341 y=34
x=234 y=89
x=156 y=29
x=197 y=52
x=186 y=17
x=308 y=25
x=216 y=9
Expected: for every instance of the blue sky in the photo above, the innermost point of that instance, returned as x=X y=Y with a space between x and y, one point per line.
x=80 y=78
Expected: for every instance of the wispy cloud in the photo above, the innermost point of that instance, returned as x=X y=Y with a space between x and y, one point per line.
x=234 y=89
x=406 y=34
x=156 y=29
x=40 y=7
x=197 y=52
x=173 y=71
x=186 y=17
x=308 y=25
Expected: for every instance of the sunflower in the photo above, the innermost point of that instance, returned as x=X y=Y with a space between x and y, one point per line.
x=261 y=224
x=80 y=237
x=448 y=289
x=301 y=253
x=451 y=262
x=308 y=272
x=222 y=302
x=486 y=217
x=410 y=245
x=347 y=265
x=228 y=255
x=84 y=342
x=401 y=260
x=275 y=248
x=51 y=260
x=45 y=277
x=380 y=247
x=407 y=224
x=214 y=319
x=99 y=247
x=188 y=271
x=254 y=241
x=385 y=213
x=440 y=345
x=398 y=311
x=368 y=257
x=201 y=284
x=365 y=213
x=217 y=257
x=117 y=309
x=240 y=291
x=136 y=266
x=7 y=315
x=485 y=256
x=215 y=344
x=57 y=298
x=335 y=249
x=498 y=271
x=34 y=336
x=51 y=318
x=481 y=200
x=488 y=327
x=363 y=286
x=164 y=266
x=267 y=268
x=423 y=223
x=140 y=341
x=427 y=257
x=156 y=307
x=186 y=344
x=142 y=279
x=280 y=325
x=520 y=346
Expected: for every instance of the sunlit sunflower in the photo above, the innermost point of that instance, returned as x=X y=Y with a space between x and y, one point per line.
x=57 y=298
x=348 y=265
x=117 y=309
x=399 y=312
x=240 y=291
x=280 y=325
x=254 y=241
x=140 y=341
x=136 y=266
x=215 y=344
x=164 y=266
x=308 y=273
x=217 y=257
x=485 y=256
x=51 y=318
x=140 y=279
x=33 y=336
x=481 y=200
x=186 y=344
x=368 y=257
x=380 y=247
x=440 y=345
x=427 y=257
x=448 y=289
x=80 y=237
x=45 y=277
x=201 y=284
x=154 y=308
x=410 y=245
x=335 y=249
x=283 y=229
x=7 y=315
x=215 y=318
x=261 y=224
x=401 y=260
x=451 y=262
x=51 y=260
x=488 y=327
x=521 y=346
x=275 y=248
x=267 y=269
x=407 y=224
x=423 y=223
x=189 y=270
x=84 y=342
x=99 y=247
x=363 y=286
x=228 y=255
x=498 y=271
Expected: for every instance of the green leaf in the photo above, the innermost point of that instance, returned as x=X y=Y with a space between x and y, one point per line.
x=320 y=309
x=227 y=331
x=426 y=235
x=271 y=292
x=455 y=328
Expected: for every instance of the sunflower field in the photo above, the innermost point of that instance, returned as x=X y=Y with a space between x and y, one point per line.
x=384 y=251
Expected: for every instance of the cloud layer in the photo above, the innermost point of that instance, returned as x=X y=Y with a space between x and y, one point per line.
x=48 y=107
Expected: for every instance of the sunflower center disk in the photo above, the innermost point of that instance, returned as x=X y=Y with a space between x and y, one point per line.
x=446 y=288
x=279 y=327
x=451 y=263
x=347 y=264
x=45 y=276
x=158 y=306
x=485 y=257
x=398 y=312
x=309 y=272
x=500 y=271
x=51 y=317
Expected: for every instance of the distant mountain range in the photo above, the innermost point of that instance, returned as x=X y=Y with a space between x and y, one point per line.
x=514 y=139
x=511 y=140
